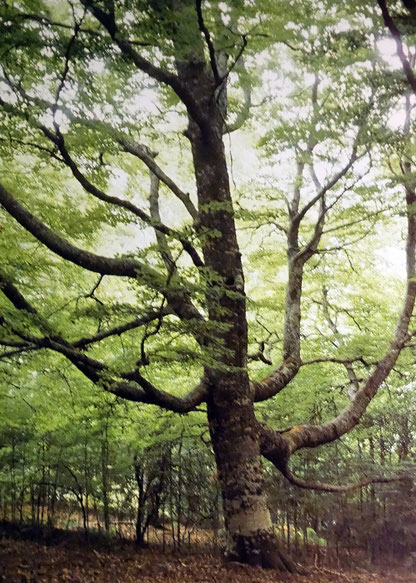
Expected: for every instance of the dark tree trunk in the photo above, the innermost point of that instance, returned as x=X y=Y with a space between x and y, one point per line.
x=140 y=516
x=233 y=426
x=235 y=438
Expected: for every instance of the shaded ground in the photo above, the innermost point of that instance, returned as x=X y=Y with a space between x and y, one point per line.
x=31 y=562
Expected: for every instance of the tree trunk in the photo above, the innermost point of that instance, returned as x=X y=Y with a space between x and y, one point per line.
x=105 y=482
x=140 y=516
x=235 y=438
x=233 y=426
x=234 y=430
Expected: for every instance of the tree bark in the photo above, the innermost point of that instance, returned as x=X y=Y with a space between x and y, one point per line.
x=235 y=438
x=235 y=432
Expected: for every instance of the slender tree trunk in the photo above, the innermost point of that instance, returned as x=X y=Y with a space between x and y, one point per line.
x=140 y=516
x=105 y=482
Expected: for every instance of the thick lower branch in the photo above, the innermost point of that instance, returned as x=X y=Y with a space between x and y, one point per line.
x=138 y=389
x=274 y=447
x=105 y=265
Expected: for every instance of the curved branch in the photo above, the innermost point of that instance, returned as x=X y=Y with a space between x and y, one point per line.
x=101 y=374
x=139 y=150
x=105 y=265
x=245 y=110
x=276 y=381
x=208 y=40
x=324 y=487
x=397 y=36
x=118 y=330
x=59 y=141
x=315 y=435
x=330 y=184
x=14 y=296
x=153 y=396
x=178 y=299
x=165 y=77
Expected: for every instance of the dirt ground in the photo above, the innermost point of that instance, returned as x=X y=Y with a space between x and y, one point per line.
x=30 y=562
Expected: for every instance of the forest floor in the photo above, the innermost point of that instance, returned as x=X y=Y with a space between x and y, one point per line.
x=32 y=562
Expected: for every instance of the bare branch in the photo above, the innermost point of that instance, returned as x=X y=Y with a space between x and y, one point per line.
x=243 y=114
x=155 y=214
x=330 y=184
x=52 y=153
x=342 y=361
x=17 y=351
x=259 y=355
x=118 y=330
x=333 y=327
x=67 y=62
x=49 y=22
x=139 y=150
x=154 y=396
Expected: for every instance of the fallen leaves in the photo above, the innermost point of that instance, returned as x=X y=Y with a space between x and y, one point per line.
x=31 y=562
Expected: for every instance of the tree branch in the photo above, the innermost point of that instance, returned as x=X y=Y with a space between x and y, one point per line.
x=100 y=374
x=315 y=435
x=105 y=265
x=397 y=36
x=161 y=75
x=330 y=184
x=145 y=154
x=118 y=330
x=178 y=299
x=208 y=41
x=59 y=141
x=324 y=487
x=276 y=381
x=140 y=151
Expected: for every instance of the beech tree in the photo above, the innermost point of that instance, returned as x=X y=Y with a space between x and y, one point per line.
x=91 y=89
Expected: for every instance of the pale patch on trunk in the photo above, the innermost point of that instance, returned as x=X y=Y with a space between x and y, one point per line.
x=248 y=522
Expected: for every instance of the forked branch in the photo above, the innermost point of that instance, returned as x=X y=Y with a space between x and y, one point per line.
x=178 y=300
x=315 y=435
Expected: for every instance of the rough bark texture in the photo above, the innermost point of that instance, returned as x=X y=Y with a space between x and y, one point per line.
x=233 y=427
x=235 y=439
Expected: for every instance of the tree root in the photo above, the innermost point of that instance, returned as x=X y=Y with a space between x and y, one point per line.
x=264 y=551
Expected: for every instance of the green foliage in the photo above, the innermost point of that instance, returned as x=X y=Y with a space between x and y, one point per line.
x=320 y=88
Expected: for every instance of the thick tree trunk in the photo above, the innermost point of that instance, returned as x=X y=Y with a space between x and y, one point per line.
x=233 y=426
x=235 y=438
x=235 y=432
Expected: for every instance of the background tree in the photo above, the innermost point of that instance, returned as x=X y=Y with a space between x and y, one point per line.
x=92 y=91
